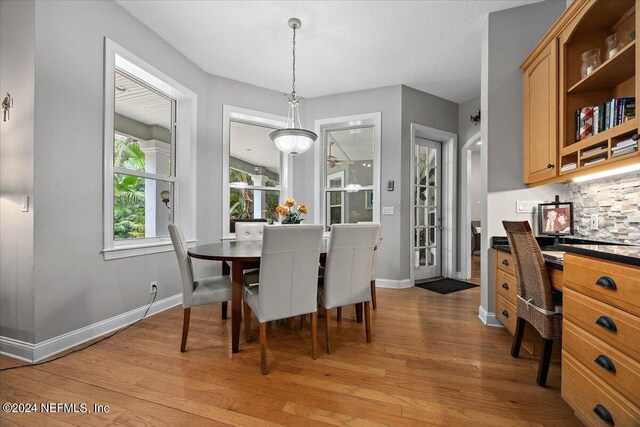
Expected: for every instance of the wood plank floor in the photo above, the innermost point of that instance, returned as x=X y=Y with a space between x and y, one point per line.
x=431 y=362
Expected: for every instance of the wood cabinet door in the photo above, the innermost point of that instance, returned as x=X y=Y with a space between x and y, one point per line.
x=541 y=116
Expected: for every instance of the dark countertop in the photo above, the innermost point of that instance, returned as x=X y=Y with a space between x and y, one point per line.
x=623 y=254
x=604 y=250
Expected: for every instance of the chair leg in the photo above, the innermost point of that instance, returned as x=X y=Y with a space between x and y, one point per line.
x=517 y=338
x=367 y=320
x=545 y=359
x=314 y=335
x=224 y=309
x=339 y=315
x=327 y=327
x=374 y=297
x=302 y=321
x=247 y=322
x=359 y=312
x=292 y=323
x=185 y=329
x=263 y=348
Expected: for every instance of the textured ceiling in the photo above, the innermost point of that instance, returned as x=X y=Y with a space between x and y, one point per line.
x=141 y=104
x=343 y=46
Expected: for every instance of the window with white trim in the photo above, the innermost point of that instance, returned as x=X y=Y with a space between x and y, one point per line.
x=149 y=156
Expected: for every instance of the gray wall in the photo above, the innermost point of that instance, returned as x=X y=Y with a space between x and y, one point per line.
x=475 y=193
x=17 y=41
x=386 y=100
x=508 y=37
x=68 y=157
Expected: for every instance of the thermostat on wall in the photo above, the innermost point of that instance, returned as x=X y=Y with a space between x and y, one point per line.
x=390 y=185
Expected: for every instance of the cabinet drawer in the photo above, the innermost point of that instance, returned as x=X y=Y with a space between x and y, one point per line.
x=507 y=286
x=587 y=395
x=612 y=325
x=609 y=282
x=505 y=262
x=506 y=313
x=611 y=365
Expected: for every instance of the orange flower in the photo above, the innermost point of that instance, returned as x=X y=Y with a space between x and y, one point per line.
x=284 y=211
x=289 y=202
x=279 y=209
x=303 y=208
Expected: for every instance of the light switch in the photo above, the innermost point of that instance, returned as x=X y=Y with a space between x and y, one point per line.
x=24 y=204
x=527 y=206
x=593 y=224
x=387 y=210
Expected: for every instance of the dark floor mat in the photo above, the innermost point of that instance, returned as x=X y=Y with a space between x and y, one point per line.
x=445 y=286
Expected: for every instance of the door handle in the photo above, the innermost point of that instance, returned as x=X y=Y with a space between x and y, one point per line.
x=605 y=363
x=606 y=282
x=604 y=414
x=505 y=286
x=606 y=323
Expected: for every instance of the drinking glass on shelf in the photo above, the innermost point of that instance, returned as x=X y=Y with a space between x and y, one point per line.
x=590 y=61
x=613 y=46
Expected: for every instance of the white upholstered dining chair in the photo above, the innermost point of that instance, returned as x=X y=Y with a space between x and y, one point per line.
x=196 y=292
x=374 y=295
x=288 y=281
x=249 y=231
x=347 y=273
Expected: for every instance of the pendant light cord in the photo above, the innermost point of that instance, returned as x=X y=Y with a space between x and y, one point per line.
x=293 y=93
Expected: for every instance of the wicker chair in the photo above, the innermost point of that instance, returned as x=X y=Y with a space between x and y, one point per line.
x=535 y=302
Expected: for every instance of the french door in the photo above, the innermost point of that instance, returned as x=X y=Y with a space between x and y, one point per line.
x=427 y=208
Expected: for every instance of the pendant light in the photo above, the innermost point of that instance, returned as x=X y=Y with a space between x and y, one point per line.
x=293 y=139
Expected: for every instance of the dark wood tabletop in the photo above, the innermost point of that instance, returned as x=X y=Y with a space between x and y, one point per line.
x=235 y=251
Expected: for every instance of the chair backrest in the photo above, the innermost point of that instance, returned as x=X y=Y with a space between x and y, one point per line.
x=474 y=227
x=184 y=262
x=233 y=222
x=289 y=271
x=531 y=271
x=375 y=250
x=347 y=274
x=249 y=231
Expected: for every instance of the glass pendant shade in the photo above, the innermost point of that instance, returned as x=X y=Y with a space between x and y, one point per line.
x=352 y=188
x=293 y=139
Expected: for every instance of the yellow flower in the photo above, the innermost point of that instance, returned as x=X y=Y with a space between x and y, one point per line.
x=284 y=211
x=289 y=202
x=303 y=208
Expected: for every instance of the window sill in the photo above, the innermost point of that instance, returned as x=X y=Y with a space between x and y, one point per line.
x=140 y=249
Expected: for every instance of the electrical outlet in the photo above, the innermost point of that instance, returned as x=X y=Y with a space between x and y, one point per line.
x=153 y=287
x=593 y=224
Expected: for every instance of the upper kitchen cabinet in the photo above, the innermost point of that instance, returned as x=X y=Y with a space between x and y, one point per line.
x=590 y=58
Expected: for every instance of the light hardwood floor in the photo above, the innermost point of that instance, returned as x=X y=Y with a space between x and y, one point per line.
x=431 y=362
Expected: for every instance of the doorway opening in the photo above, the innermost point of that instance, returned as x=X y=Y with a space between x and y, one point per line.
x=471 y=209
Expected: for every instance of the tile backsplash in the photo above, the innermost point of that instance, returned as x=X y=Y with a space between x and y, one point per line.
x=616 y=200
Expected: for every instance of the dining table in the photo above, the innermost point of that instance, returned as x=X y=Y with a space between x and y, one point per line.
x=241 y=255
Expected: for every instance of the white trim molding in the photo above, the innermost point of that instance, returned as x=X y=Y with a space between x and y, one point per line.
x=185 y=156
x=465 y=206
x=393 y=284
x=488 y=318
x=449 y=196
x=33 y=353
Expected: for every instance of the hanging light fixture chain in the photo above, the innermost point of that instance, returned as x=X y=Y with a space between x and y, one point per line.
x=293 y=86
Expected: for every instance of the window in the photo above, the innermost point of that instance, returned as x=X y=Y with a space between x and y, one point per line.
x=149 y=137
x=349 y=170
x=254 y=176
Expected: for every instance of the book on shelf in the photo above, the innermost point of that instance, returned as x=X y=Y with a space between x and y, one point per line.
x=626 y=143
x=591 y=120
x=623 y=151
x=593 y=150
x=568 y=166
x=593 y=161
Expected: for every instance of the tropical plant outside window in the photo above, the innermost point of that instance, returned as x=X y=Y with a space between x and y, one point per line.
x=254 y=173
x=144 y=176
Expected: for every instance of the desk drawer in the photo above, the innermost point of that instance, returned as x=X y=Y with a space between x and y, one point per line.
x=606 y=281
x=612 y=325
x=610 y=365
x=505 y=262
x=507 y=286
x=587 y=394
x=506 y=313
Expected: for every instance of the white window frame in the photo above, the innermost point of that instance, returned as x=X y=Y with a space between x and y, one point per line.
x=185 y=153
x=258 y=118
x=323 y=125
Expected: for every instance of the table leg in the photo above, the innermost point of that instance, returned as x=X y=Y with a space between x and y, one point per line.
x=236 y=304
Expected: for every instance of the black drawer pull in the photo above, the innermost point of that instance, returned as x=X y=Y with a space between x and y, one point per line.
x=606 y=363
x=505 y=286
x=505 y=262
x=606 y=282
x=505 y=313
x=550 y=166
x=607 y=323
x=604 y=414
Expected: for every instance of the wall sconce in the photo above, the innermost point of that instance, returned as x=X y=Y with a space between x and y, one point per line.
x=165 y=197
x=7 y=103
x=475 y=119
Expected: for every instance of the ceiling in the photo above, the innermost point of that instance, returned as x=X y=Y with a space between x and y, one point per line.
x=343 y=46
x=141 y=104
x=357 y=143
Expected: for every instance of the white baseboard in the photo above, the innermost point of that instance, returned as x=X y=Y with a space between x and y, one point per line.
x=393 y=284
x=489 y=318
x=33 y=353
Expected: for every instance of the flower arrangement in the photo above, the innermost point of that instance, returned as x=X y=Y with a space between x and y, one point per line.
x=287 y=213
